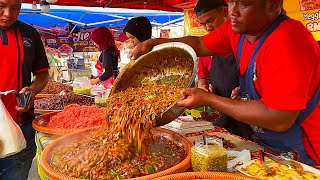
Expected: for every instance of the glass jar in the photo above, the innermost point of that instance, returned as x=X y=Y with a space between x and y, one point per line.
x=82 y=85
x=209 y=157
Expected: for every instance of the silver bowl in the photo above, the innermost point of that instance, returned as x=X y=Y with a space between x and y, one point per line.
x=166 y=60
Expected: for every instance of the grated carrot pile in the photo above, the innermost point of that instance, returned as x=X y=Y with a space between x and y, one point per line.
x=75 y=116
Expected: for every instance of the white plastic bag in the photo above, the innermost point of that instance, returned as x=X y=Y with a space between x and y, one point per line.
x=12 y=140
x=241 y=158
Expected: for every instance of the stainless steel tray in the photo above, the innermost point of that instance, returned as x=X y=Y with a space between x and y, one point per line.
x=165 y=60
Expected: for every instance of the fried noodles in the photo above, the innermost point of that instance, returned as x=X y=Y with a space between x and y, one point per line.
x=121 y=149
x=133 y=111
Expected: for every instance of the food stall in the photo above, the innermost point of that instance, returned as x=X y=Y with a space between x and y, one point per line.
x=84 y=139
x=66 y=31
x=70 y=141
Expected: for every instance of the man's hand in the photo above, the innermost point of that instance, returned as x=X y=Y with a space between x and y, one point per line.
x=235 y=93
x=204 y=87
x=29 y=106
x=94 y=81
x=193 y=98
x=38 y=83
x=141 y=48
x=203 y=84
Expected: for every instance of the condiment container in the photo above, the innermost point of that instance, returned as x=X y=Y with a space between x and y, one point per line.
x=82 y=85
x=209 y=156
x=101 y=98
x=98 y=98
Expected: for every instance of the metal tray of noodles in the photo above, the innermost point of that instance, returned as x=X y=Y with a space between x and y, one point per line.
x=168 y=63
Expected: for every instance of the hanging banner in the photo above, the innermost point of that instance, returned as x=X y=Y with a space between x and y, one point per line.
x=192 y=27
x=306 y=11
x=69 y=43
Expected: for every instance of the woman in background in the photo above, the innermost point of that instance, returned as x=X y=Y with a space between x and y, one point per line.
x=107 y=65
x=137 y=30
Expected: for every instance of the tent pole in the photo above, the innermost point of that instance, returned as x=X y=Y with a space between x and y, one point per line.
x=104 y=22
x=64 y=19
x=74 y=27
x=173 y=21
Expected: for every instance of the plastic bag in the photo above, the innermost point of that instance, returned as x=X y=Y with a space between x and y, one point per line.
x=241 y=158
x=12 y=140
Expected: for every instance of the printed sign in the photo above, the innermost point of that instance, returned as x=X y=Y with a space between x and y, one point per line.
x=306 y=11
x=192 y=26
x=76 y=42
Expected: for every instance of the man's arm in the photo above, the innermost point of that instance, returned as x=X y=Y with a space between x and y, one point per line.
x=216 y=42
x=253 y=112
x=203 y=84
x=39 y=82
x=195 y=42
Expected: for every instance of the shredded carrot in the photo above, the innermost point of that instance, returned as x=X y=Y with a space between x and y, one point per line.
x=78 y=117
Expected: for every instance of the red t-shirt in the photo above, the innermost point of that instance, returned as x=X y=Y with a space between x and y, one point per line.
x=21 y=55
x=204 y=66
x=288 y=70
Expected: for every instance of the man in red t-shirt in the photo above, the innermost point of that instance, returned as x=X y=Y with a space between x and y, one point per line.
x=283 y=67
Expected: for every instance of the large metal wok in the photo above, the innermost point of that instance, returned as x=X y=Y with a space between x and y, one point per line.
x=174 y=63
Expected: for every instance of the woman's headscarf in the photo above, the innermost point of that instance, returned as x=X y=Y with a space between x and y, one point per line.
x=139 y=27
x=104 y=38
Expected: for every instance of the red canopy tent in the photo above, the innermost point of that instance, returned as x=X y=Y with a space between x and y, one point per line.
x=165 y=5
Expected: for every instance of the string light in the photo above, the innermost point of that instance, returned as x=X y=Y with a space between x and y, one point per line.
x=34 y=5
x=45 y=6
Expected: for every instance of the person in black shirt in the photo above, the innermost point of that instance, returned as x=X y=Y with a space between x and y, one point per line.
x=108 y=59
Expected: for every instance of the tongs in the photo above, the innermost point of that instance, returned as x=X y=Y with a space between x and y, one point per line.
x=266 y=168
x=289 y=163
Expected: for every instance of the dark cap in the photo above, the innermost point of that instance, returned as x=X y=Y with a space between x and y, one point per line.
x=139 y=27
x=204 y=6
